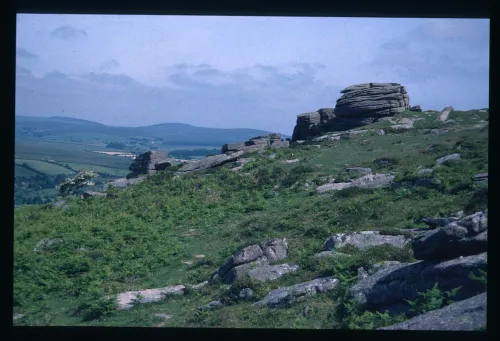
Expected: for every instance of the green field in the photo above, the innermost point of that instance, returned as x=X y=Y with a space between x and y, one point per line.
x=44 y=167
x=68 y=153
x=138 y=237
x=24 y=172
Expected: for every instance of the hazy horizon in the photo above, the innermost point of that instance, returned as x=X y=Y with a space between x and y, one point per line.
x=238 y=72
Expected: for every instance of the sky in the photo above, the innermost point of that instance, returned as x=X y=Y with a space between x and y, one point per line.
x=239 y=72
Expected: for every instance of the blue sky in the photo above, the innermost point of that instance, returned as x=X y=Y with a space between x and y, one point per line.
x=239 y=72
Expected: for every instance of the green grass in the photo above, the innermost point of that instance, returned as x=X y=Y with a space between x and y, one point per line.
x=44 y=167
x=138 y=237
x=22 y=171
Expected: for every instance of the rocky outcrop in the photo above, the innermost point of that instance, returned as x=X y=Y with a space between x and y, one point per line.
x=128 y=299
x=286 y=296
x=441 y=160
x=481 y=178
x=464 y=237
x=416 y=108
x=92 y=194
x=443 y=116
x=363 y=240
x=466 y=315
x=252 y=257
x=209 y=162
x=369 y=181
x=359 y=105
x=390 y=286
x=149 y=163
x=255 y=144
x=267 y=273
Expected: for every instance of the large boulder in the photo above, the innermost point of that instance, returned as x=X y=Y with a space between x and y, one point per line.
x=393 y=284
x=286 y=296
x=149 y=163
x=359 y=105
x=364 y=240
x=467 y=236
x=466 y=315
x=252 y=257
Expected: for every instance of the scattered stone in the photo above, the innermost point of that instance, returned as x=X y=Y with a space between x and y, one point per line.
x=425 y=171
x=464 y=237
x=443 y=116
x=481 y=178
x=212 y=305
x=332 y=254
x=333 y=187
x=252 y=257
x=17 y=316
x=392 y=284
x=466 y=315
x=246 y=294
x=91 y=194
x=360 y=170
x=373 y=181
x=128 y=299
x=363 y=240
x=416 y=108
x=380 y=132
x=286 y=296
x=60 y=204
x=199 y=285
x=443 y=159
x=47 y=243
x=439 y=131
x=271 y=272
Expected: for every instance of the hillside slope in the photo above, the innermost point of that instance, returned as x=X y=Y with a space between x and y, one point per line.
x=178 y=230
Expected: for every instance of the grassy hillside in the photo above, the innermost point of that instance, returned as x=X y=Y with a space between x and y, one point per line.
x=140 y=237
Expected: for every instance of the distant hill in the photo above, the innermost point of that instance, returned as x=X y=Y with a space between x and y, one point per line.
x=174 y=133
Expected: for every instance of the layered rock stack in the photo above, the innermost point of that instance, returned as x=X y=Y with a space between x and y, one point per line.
x=149 y=163
x=359 y=105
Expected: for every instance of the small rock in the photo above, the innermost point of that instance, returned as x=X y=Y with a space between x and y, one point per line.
x=439 y=131
x=449 y=122
x=17 y=316
x=47 y=242
x=212 y=305
x=416 y=108
x=128 y=299
x=444 y=114
x=246 y=293
x=443 y=159
x=291 y=161
x=199 y=285
x=380 y=132
x=425 y=171
x=272 y=156
x=306 y=310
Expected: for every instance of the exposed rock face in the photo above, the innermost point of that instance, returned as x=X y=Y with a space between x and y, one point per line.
x=467 y=236
x=369 y=181
x=286 y=296
x=390 y=286
x=359 y=105
x=466 y=315
x=443 y=159
x=128 y=299
x=443 y=116
x=255 y=144
x=149 y=163
x=252 y=257
x=271 y=272
x=363 y=240
x=209 y=162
